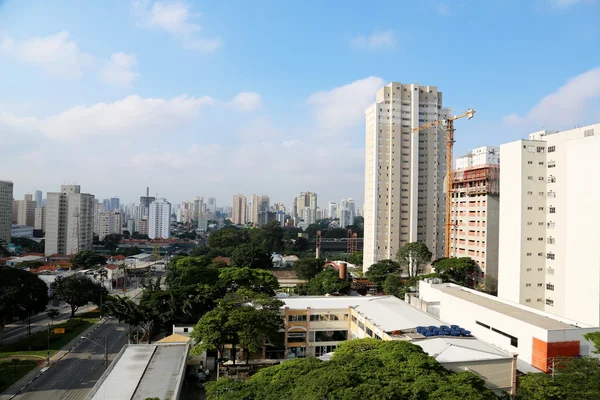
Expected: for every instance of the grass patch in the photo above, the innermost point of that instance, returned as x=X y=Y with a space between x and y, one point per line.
x=37 y=343
x=10 y=372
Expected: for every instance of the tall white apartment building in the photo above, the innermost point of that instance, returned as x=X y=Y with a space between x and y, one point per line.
x=159 y=219
x=212 y=205
x=259 y=204
x=40 y=218
x=306 y=207
x=332 y=208
x=475 y=208
x=109 y=223
x=404 y=172
x=69 y=221
x=239 y=209
x=347 y=212
x=6 y=206
x=549 y=218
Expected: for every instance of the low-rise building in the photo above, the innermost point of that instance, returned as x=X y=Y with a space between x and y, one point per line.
x=22 y=231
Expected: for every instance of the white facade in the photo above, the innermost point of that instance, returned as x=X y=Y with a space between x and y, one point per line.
x=549 y=221
x=306 y=207
x=159 y=219
x=479 y=156
x=6 y=203
x=109 y=222
x=69 y=221
x=239 y=209
x=212 y=205
x=347 y=212
x=40 y=218
x=259 y=204
x=404 y=172
x=26 y=211
x=332 y=210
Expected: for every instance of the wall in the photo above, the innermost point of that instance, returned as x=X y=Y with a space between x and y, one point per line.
x=496 y=373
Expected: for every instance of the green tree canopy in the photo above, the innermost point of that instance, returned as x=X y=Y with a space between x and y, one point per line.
x=393 y=285
x=459 y=270
x=308 y=268
x=356 y=258
x=112 y=241
x=21 y=294
x=77 y=290
x=270 y=237
x=257 y=280
x=378 y=272
x=412 y=257
x=327 y=282
x=87 y=259
x=228 y=239
x=359 y=369
x=251 y=256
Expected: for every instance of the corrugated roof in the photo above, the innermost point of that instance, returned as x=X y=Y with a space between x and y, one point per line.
x=447 y=350
x=175 y=338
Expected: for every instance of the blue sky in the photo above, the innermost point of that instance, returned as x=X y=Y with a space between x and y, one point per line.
x=214 y=98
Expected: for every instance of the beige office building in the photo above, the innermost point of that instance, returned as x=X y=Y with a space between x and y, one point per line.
x=40 y=218
x=306 y=207
x=259 y=204
x=26 y=211
x=69 y=221
x=549 y=218
x=6 y=207
x=404 y=172
x=475 y=209
x=109 y=222
x=239 y=209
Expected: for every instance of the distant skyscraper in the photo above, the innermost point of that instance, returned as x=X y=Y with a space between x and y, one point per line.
x=26 y=211
x=347 y=212
x=145 y=202
x=114 y=204
x=239 y=209
x=159 y=219
x=212 y=204
x=109 y=222
x=259 y=204
x=6 y=203
x=332 y=210
x=404 y=172
x=69 y=221
x=106 y=204
x=306 y=207
x=40 y=218
x=37 y=196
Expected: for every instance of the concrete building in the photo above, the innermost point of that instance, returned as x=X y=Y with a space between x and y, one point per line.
x=306 y=207
x=69 y=221
x=549 y=219
x=26 y=211
x=37 y=196
x=211 y=206
x=260 y=204
x=6 y=206
x=239 y=209
x=332 y=210
x=159 y=219
x=115 y=204
x=404 y=172
x=109 y=222
x=347 y=212
x=475 y=208
x=22 y=231
x=145 y=202
x=143 y=226
x=40 y=218
x=537 y=337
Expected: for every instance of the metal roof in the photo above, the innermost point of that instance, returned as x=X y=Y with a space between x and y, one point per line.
x=448 y=350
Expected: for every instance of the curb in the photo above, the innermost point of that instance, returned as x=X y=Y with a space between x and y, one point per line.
x=18 y=386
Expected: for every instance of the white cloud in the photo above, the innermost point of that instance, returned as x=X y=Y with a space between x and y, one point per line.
x=118 y=70
x=176 y=18
x=565 y=107
x=375 y=41
x=56 y=54
x=344 y=106
x=247 y=101
x=260 y=129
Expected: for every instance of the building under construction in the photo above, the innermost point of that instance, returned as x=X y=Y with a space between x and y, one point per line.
x=475 y=209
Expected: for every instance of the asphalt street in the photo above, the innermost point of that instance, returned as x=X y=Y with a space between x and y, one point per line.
x=76 y=374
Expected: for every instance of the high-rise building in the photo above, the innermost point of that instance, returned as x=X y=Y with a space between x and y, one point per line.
x=26 y=211
x=549 y=218
x=40 y=218
x=212 y=205
x=15 y=212
x=347 y=212
x=109 y=223
x=306 y=207
x=332 y=210
x=159 y=219
x=6 y=205
x=404 y=172
x=259 y=204
x=69 y=221
x=239 y=209
x=115 y=204
x=475 y=208
x=145 y=202
x=37 y=196
x=106 y=204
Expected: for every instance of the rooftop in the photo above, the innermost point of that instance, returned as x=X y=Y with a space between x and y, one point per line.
x=143 y=371
x=447 y=350
x=521 y=313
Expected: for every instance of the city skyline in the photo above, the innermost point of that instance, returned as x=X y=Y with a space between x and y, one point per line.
x=273 y=116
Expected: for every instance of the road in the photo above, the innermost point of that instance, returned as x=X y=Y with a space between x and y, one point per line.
x=76 y=374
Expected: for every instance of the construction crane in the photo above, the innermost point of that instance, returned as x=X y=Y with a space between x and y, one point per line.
x=448 y=123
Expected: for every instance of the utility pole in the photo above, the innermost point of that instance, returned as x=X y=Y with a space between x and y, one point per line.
x=48 y=353
x=513 y=377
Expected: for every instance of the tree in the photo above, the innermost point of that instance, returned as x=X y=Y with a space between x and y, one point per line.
x=77 y=290
x=490 y=285
x=251 y=256
x=359 y=369
x=87 y=259
x=257 y=280
x=539 y=387
x=243 y=318
x=140 y=236
x=378 y=272
x=328 y=282
x=459 y=270
x=412 y=257
x=270 y=237
x=112 y=241
x=228 y=238
x=52 y=313
x=394 y=286
x=594 y=337
x=308 y=268
x=356 y=258
x=22 y=294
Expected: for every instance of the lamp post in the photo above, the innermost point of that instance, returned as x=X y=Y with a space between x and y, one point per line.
x=99 y=345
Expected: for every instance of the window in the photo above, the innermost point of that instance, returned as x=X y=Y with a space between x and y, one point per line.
x=296 y=318
x=550 y=256
x=361 y=325
x=551 y=164
x=552 y=210
x=354 y=318
x=541 y=163
x=539 y=285
x=528 y=285
x=540 y=208
x=329 y=336
x=530 y=178
x=588 y=133
x=513 y=340
x=482 y=324
x=549 y=286
x=530 y=162
x=549 y=302
x=296 y=337
x=551 y=149
x=540 y=149
x=527 y=300
x=369 y=332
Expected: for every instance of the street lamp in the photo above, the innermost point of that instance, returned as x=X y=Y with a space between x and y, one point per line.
x=99 y=345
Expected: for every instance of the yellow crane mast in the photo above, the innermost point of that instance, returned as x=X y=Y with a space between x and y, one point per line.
x=449 y=125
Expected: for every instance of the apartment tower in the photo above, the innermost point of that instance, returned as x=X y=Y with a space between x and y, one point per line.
x=6 y=206
x=475 y=209
x=69 y=221
x=549 y=218
x=260 y=204
x=404 y=172
x=306 y=207
x=159 y=219
x=26 y=211
x=239 y=209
